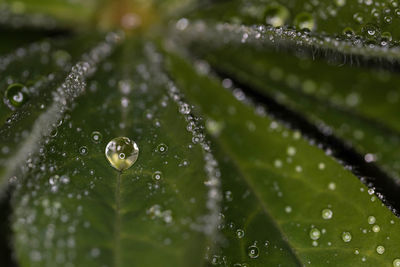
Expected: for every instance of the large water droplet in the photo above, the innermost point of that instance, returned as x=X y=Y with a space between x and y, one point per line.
x=276 y=15
x=122 y=153
x=16 y=94
x=396 y=263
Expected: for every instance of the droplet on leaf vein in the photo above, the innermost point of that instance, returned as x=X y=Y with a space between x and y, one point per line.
x=122 y=153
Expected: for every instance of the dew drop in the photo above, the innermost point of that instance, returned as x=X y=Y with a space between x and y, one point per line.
x=386 y=36
x=327 y=214
x=239 y=233
x=83 y=150
x=252 y=251
x=291 y=151
x=157 y=175
x=371 y=219
x=276 y=15
x=288 y=209
x=380 y=249
x=315 y=234
x=376 y=228
x=348 y=31
x=16 y=94
x=396 y=263
x=184 y=108
x=96 y=137
x=304 y=21
x=332 y=186
x=122 y=153
x=214 y=127
x=346 y=237
x=162 y=148
x=370 y=31
x=340 y=3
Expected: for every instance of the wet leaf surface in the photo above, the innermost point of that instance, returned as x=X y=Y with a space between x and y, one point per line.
x=164 y=144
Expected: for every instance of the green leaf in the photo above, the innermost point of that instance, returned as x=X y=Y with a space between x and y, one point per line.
x=72 y=206
x=207 y=175
x=44 y=67
x=358 y=105
x=330 y=17
x=273 y=188
x=46 y=14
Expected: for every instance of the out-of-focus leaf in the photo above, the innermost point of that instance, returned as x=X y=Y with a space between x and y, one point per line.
x=358 y=105
x=276 y=184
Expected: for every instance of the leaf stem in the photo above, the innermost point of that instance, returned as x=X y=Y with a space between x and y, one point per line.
x=117 y=223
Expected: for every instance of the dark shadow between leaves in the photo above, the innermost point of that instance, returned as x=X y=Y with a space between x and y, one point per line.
x=369 y=173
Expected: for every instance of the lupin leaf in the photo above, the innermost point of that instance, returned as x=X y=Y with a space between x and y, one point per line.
x=358 y=105
x=137 y=147
x=291 y=193
x=92 y=214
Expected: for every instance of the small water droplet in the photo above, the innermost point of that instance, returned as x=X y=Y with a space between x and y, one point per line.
x=288 y=209
x=371 y=219
x=370 y=31
x=327 y=214
x=332 y=186
x=396 y=263
x=162 y=148
x=16 y=94
x=346 y=237
x=380 y=249
x=157 y=175
x=304 y=21
x=96 y=137
x=83 y=150
x=252 y=251
x=239 y=233
x=340 y=3
x=291 y=151
x=376 y=228
x=315 y=234
x=122 y=153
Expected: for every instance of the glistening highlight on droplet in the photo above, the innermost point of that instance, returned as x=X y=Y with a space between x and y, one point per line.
x=16 y=94
x=122 y=153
